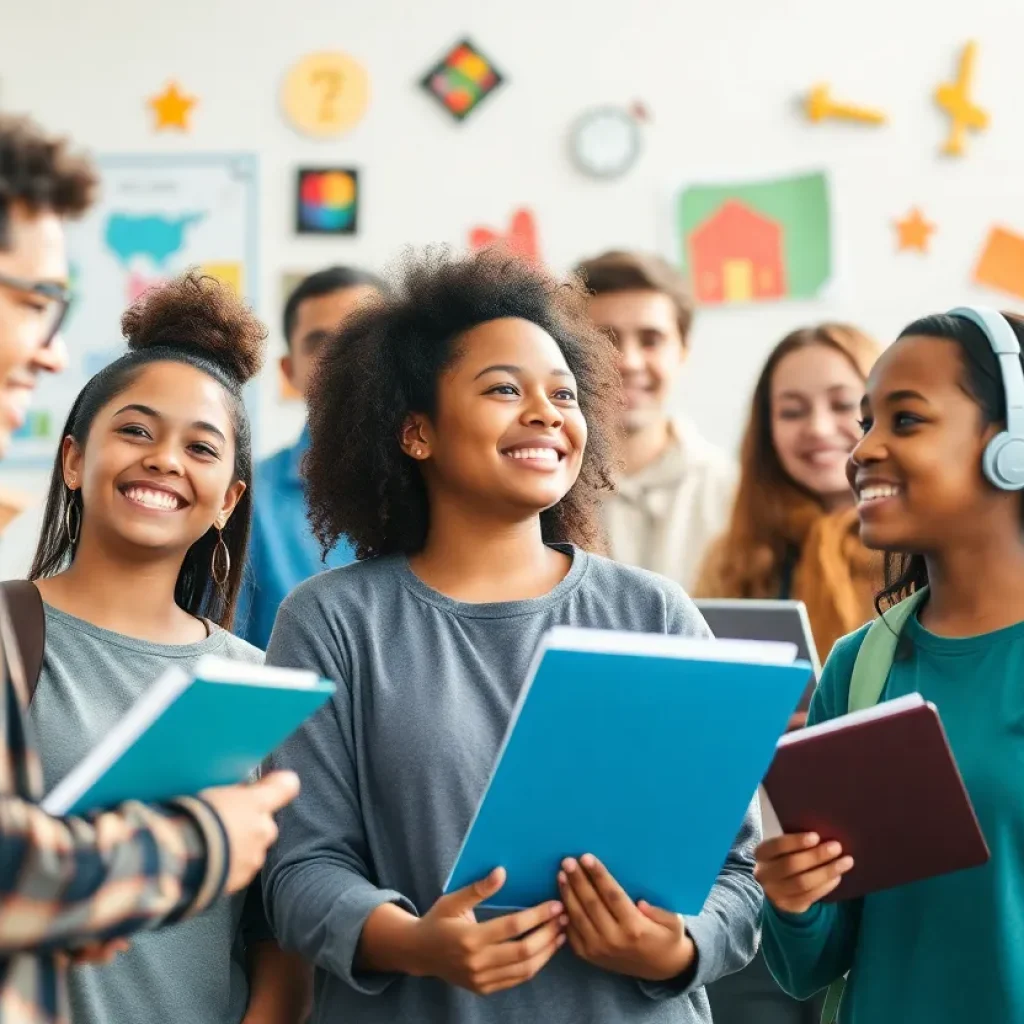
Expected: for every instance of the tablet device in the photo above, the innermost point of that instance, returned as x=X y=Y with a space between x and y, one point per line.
x=786 y=621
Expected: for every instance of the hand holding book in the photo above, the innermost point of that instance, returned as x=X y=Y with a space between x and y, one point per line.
x=797 y=871
x=610 y=931
x=246 y=812
x=867 y=801
x=449 y=943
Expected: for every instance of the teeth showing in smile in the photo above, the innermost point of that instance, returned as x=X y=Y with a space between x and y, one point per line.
x=541 y=454
x=153 y=499
x=877 y=492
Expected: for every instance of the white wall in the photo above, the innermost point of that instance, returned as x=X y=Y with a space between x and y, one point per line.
x=721 y=80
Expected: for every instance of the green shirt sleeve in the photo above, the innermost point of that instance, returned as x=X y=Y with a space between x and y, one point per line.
x=807 y=952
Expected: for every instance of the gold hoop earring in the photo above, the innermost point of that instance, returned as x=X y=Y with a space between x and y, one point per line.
x=72 y=534
x=220 y=554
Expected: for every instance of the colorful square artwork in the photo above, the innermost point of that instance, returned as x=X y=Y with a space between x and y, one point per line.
x=462 y=80
x=756 y=241
x=327 y=201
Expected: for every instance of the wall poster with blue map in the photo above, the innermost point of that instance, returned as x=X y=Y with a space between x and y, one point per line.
x=157 y=215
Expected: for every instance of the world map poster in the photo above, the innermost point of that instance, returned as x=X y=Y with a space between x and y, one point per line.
x=156 y=217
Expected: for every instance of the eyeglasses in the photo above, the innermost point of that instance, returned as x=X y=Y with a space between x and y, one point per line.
x=54 y=300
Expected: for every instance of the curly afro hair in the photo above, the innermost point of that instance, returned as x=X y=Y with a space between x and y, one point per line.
x=41 y=172
x=385 y=364
x=200 y=322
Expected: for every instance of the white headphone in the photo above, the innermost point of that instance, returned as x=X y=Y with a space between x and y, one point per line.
x=1003 y=461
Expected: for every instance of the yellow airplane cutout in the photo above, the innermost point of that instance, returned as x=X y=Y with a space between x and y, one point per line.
x=820 y=105
x=954 y=98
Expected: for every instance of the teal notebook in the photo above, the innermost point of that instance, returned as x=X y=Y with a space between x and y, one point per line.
x=189 y=732
x=644 y=750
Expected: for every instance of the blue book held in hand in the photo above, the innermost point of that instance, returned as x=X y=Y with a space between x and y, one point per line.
x=189 y=732
x=644 y=750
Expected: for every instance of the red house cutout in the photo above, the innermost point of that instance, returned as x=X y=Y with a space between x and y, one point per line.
x=736 y=256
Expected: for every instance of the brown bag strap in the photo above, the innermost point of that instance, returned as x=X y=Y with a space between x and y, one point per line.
x=25 y=608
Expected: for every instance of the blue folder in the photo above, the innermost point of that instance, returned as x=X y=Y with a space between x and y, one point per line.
x=644 y=750
x=189 y=732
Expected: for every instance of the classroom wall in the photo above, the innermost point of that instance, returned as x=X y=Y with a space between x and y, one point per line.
x=721 y=81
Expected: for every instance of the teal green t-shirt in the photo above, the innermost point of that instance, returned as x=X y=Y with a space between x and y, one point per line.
x=947 y=950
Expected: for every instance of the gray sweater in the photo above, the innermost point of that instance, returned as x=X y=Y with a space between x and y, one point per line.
x=393 y=768
x=189 y=973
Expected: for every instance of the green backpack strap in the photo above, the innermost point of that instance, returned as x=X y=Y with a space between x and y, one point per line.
x=870 y=673
x=833 y=997
x=874 y=659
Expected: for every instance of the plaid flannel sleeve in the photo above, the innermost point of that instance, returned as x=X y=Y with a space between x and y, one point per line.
x=68 y=881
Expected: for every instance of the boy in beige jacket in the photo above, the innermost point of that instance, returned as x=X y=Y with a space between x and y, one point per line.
x=677 y=491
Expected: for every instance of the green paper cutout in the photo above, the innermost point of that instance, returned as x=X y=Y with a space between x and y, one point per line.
x=757 y=241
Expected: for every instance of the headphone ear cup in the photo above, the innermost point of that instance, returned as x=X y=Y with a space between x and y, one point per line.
x=1003 y=462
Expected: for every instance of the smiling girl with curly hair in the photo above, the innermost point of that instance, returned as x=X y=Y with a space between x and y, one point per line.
x=462 y=433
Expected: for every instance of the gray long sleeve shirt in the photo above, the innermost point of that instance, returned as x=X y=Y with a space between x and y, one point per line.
x=393 y=768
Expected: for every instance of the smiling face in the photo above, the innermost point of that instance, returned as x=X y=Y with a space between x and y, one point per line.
x=645 y=327
x=35 y=253
x=157 y=470
x=508 y=435
x=815 y=413
x=917 y=471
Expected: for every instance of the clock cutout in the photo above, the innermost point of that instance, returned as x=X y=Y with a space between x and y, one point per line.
x=605 y=142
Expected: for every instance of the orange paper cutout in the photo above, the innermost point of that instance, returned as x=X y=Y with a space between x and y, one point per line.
x=172 y=108
x=914 y=231
x=520 y=239
x=1002 y=262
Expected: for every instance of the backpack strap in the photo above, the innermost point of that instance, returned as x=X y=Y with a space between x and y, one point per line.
x=25 y=607
x=870 y=674
x=877 y=650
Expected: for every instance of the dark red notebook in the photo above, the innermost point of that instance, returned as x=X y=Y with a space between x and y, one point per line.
x=883 y=782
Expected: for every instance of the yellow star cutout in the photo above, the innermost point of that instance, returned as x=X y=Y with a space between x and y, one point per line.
x=172 y=108
x=914 y=231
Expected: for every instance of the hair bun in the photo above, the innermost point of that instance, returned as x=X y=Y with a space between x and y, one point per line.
x=198 y=313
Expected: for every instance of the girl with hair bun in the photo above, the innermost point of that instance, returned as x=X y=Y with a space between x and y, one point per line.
x=139 y=565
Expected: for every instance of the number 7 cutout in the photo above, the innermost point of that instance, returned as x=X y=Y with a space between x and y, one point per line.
x=520 y=238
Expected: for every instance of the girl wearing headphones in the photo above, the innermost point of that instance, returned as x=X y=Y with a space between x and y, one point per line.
x=938 y=475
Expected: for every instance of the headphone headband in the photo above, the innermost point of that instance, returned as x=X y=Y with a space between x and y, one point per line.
x=1006 y=347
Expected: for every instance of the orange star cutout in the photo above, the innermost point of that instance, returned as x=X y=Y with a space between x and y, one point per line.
x=914 y=231
x=172 y=108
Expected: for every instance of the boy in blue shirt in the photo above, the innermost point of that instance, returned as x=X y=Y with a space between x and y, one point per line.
x=282 y=549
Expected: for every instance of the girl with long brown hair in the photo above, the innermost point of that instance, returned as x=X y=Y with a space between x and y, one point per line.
x=793 y=532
